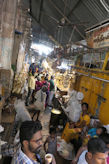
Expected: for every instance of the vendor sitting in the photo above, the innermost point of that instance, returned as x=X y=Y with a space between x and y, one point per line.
x=84 y=118
x=70 y=132
x=72 y=129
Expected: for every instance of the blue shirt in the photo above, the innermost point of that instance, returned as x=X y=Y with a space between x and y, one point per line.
x=92 y=132
x=23 y=159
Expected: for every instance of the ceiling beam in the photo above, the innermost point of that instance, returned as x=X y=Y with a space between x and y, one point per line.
x=41 y=7
x=77 y=2
x=30 y=5
x=50 y=16
x=71 y=10
x=48 y=31
x=66 y=18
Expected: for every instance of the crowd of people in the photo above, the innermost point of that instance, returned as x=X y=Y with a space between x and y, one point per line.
x=91 y=144
x=41 y=90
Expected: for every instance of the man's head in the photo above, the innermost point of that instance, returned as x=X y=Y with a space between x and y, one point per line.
x=100 y=131
x=32 y=73
x=105 y=138
x=47 y=75
x=38 y=78
x=96 y=151
x=52 y=132
x=30 y=136
x=46 y=79
x=52 y=77
x=84 y=107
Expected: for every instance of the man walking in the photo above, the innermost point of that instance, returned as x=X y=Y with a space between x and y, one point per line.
x=52 y=91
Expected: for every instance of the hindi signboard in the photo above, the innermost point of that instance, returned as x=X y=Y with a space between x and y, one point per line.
x=98 y=37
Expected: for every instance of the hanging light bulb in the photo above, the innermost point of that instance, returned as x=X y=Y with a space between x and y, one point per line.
x=63 y=20
x=56 y=111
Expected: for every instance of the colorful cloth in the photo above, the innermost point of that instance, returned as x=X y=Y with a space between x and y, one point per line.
x=9 y=149
x=108 y=160
x=70 y=133
x=39 y=85
x=92 y=132
x=85 y=118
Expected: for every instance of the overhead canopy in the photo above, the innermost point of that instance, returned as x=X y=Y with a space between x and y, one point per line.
x=78 y=16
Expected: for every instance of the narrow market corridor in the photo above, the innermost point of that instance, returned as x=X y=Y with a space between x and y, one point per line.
x=54 y=81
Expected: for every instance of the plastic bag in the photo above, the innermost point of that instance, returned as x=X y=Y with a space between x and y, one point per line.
x=73 y=106
x=21 y=112
x=40 y=100
x=74 y=111
x=1 y=128
x=72 y=95
x=64 y=149
x=107 y=128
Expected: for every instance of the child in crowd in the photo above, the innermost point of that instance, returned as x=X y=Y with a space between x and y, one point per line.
x=95 y=132
x=52 y=142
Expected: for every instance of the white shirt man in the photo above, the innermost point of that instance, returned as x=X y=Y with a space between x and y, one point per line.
x=82 y=159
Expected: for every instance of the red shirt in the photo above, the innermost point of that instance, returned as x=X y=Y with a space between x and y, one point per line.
x=39 y=85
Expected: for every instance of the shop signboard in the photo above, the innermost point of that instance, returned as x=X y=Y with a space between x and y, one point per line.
x=98 y=37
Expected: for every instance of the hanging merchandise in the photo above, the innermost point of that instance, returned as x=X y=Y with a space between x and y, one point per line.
x=19 y=82
x=74 y=106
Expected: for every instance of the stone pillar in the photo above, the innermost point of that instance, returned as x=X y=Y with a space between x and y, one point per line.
x=23 y=26
x=7 y=30
x=21 y=57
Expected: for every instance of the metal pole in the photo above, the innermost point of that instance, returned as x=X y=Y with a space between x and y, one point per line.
x=65 y=17
x=71 y=35
x=94 y=77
